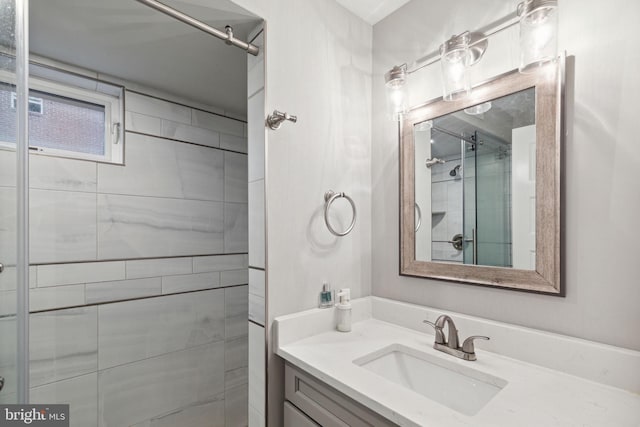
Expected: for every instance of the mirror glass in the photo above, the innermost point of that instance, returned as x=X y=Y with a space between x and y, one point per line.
x=475 y=184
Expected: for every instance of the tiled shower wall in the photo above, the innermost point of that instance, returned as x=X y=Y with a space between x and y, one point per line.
x=139 y=286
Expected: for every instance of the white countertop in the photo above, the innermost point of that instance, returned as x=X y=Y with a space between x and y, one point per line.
x=533 y=396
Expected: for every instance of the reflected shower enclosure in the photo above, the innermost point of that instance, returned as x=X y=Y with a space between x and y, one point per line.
x=475 y=168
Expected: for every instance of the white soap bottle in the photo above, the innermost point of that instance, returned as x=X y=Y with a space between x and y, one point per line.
x=344 y=310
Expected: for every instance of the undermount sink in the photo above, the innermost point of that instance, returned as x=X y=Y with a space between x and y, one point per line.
x=458 y=387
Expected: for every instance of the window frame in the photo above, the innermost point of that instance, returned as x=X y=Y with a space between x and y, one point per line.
x=113 y=119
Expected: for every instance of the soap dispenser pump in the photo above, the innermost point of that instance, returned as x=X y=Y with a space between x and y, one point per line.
x=344 y=310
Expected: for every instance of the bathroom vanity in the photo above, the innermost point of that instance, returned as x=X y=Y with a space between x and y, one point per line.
x=386 y=372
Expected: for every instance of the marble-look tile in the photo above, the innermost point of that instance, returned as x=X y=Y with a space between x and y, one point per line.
x=188 y=133
x=137 y=269
x=157 y=108
x=8 y=278
x=236 y=311
x=8 y=351
x=62 y=226
x=162 y=168
x=236 y=362
x=139 y=391
x=50 y=173
x=255 y=78
x=122 y=290
x=234 y=277
x=256 y=419
x=439 y=197
x=190 y=282
x=235 y=227
x=256 y=309
x=80 y=393
x=63 y=344
x=131 y=227
x=257 y=377
x=256 y=295
x=55 y=173
x=235 y=177
x=198 y=415
x=220 y=263
x=56 y=297
x=69 y=274
x=142 y=123
x=236 y=408
x=217 y=123
x=233 y=143
x=256 y=224
x=256 y=136
x=136 y=330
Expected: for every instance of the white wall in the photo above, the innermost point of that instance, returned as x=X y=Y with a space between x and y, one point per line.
x=318 y=67
x=601 y=196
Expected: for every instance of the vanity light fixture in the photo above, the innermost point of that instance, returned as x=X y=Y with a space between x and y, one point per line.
x=396 y=86
x=538 y=33
x=538 y=46
x=456 y=56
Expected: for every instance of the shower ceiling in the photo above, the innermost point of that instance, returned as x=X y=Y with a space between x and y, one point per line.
x=129 y=40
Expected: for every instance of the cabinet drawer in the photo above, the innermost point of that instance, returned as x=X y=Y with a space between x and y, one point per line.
x=325 y=405
x=294 y=418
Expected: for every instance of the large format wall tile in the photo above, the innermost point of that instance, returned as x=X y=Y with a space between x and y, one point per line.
x=142 y=123
x=257 y=375
x=190 y=282
x=139 y=391
x=158 y=267
x=236 y=309
x=161 y=168
x=233 y=143
x=122 y=290
x=56 y=297
x=80 y=393
x=235 y=177
x=236 y=411
x=256 y=137
x=130 y=227
x=62 y=226
x=157 y=107
x=256 y=224
x=68 y=274
x=206 y=414
x=136 y=330
x=218 y=123
x=236 y=227
x=236 y=362
x=256 y=295
x=220 y=263
x=192 y=134
x=63 y=344
x=50 y=173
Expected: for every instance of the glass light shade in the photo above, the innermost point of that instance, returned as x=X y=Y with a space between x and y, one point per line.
x=397 y=94
x=396 y=101
x=455 y=60
x=538 y=33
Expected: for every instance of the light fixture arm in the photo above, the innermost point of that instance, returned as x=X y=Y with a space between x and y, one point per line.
x=495 y=27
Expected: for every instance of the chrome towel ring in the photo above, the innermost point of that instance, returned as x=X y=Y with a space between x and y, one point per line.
x=329 y=197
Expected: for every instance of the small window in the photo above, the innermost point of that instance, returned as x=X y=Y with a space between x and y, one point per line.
x=35 y=104
x=65 y=121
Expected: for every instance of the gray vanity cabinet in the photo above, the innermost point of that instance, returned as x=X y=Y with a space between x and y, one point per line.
x=310 y=399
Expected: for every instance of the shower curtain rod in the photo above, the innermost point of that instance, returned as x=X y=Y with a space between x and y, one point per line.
x=226 y=36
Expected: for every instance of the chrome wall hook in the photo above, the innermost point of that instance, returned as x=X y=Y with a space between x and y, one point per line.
x=275 y=120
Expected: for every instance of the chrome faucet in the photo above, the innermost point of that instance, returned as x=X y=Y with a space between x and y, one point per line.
x=451 y=344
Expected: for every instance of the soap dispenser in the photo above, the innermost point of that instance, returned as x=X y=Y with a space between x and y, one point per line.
x=344 y=310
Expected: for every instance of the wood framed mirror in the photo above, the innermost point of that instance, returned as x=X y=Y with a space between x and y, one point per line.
x=480 y=184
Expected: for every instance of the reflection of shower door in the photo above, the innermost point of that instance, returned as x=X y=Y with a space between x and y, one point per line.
x=487 y=201
x=469 y=200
